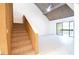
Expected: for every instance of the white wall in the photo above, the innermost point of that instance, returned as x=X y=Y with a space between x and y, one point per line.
x=53 y=24
x=71 y=5
x=34 y=16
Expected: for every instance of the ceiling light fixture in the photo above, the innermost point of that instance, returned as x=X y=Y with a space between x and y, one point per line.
x=50 y=7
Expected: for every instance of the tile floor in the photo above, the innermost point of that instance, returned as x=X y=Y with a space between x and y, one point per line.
x=52 y=44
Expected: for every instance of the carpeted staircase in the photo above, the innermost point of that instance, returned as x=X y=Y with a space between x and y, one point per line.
x=21 y=44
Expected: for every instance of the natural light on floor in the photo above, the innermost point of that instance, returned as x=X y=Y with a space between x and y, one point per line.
x=51 y=44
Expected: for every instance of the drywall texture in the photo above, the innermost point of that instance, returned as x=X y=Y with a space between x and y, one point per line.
x=59 y=13
x=39 y=21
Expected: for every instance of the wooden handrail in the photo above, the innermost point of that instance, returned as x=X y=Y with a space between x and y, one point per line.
x=33 y=36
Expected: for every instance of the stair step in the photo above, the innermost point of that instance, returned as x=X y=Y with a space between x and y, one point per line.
x=19 y=39
x=29 y=52
x=26 y=52
x=20 y=25
x=22 y=31
x=19 y=43
x=19 y=31
x=22 y=49
x=16 y=29
x=19 y=34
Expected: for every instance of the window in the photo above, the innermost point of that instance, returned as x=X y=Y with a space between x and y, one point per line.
x=65 y=28
x=59 y=27
x=71 y=32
